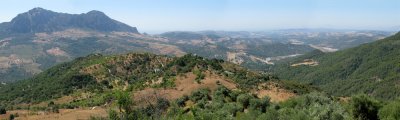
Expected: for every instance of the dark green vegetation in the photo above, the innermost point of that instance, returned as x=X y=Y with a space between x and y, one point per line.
x=225 y=104
x=2 y=110
x=364 y=108
x=372 y=69
x=391 y=111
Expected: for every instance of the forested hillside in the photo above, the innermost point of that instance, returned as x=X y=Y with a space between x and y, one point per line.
x=371 y=68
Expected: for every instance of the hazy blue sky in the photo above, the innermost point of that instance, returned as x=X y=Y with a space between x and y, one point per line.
x=165 y=15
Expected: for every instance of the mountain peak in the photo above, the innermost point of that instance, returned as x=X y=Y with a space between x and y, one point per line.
x=37 y=9
x=95 y=12
x=42 y=20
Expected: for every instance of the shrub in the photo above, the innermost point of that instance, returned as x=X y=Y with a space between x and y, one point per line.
x=124 y=101
x=364 y=108
x=234 y=94
x=168 y=82
x=200 y=94
x=222 y=94
x=203 y=102
x=113 y=115
x=232 y=108
x=181 y=101
x=390 y=111
x=244 y=100
x=222 y=90
x=250 y=115
x=259 y=104
x=2 y=111
x=51 y=104
x=162 y=104
x=199 y=75
x=315 y=106
x=272 y=114
x=97 y=118
x=12 y=117
x=293 y=114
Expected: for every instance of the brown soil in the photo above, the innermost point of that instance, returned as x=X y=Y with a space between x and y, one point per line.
x=308 y=62
x=275 y=93
x=185 y=85
x=65 y=114
x=167 y=49
x=56 y=52
x=235 y=57
x=344 y=99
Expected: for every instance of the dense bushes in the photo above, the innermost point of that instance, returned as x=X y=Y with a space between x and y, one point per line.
x=315 y=106
x=224 y=103
x=259 y=104
x=390 y=111
x=228 y=104
x=364 y=108
x=371 y=69
x=201 y=94
x=246 y=106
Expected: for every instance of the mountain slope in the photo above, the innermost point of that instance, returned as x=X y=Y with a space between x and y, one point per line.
x=98 y=74
x=371 y=68
x=41 y=20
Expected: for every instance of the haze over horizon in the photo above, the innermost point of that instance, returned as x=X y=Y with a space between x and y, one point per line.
x=252 y=15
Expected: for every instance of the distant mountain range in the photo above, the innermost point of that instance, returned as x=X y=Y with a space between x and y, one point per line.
x=39 y=39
